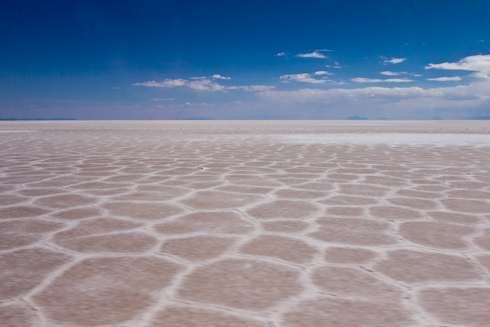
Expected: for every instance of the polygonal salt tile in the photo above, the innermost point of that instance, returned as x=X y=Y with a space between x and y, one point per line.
x=99 y=186
x=299 y=194
x=345 y=200
x=348 y=255
x=105 y=291
x=419 y=194
x=7 y=200
x=483 y=240
x=198 y=317
x=467 y=206
x=143 y=210
x=65 y=201
x=281 y=247
x=250 y=180
x=17 y=315
x=22 y=212
x=385 y=181
x=220 y=200
x=315 y=186
x=77 y=213
x=353 y=231
x=436 y=234
x=354 y=282
x=35 y=192
x=285 y=226
x=417 y=204
x=470 y=194
x=22 y=270
x=453 y=217
x=345 y=211
x=484 y=260
x=287 y=209
x=20 y=233
x=419 y=267
x=197 y=247
x=468 y=185
x=119 y=243
x=363 y=190
x=457 y=306
x=242 y=284
x=210 y=222
x=335 y=312
x=395 y=213
x=245 y=189
x=97 y=226
x=163 y=194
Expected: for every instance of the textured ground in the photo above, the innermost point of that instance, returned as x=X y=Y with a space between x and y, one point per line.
x=245 y=224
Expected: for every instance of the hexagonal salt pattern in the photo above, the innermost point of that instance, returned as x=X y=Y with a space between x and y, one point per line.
x=243 y=224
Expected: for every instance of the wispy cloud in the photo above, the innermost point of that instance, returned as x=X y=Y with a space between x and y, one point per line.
x=323 y=72
x=479 y=64
x=336 y=65
x=445 y=79
x=314 y=54
x=305 y=77
x=215 y=76
x=201 y=85
x=162 y=99
x=218 y=76
x=376 y=80
x=251 y=88
x=393 y=60
x=165 y=83
x=281 y=54
x=197 y=84
x=388 y=73
x=395 y=102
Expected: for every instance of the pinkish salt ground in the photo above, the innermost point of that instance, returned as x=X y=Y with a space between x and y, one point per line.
x=245 y=224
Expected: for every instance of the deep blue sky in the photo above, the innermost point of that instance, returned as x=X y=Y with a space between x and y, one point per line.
x=245 y=59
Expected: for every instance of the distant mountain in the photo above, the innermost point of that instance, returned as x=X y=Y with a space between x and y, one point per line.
x=191 y=118
x=356 y=118
x=9 y=119
x=479 y=118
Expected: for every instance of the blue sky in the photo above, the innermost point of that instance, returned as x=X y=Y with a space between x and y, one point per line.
x=250 y=59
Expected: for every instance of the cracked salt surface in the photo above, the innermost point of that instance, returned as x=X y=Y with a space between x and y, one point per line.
x=245 y=224
x=391 y=138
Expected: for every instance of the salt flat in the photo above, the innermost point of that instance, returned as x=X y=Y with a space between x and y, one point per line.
x=245 y=224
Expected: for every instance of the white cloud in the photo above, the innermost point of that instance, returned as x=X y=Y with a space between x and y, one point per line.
x=445 y=79
x=376 y=80
x=479 y=64
x=305 y=77
x=162 y=99
x=458 y=102
x=218 y=76
x=251 y=88
x=322 y=72
x=165 y=83
x=205 y=85
x=196 y=84
x=215 y=76
x=281 y=54
x=314 y=54
x=392 y=73
x=393 y=60
x=116 y=87
x=202 y=85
